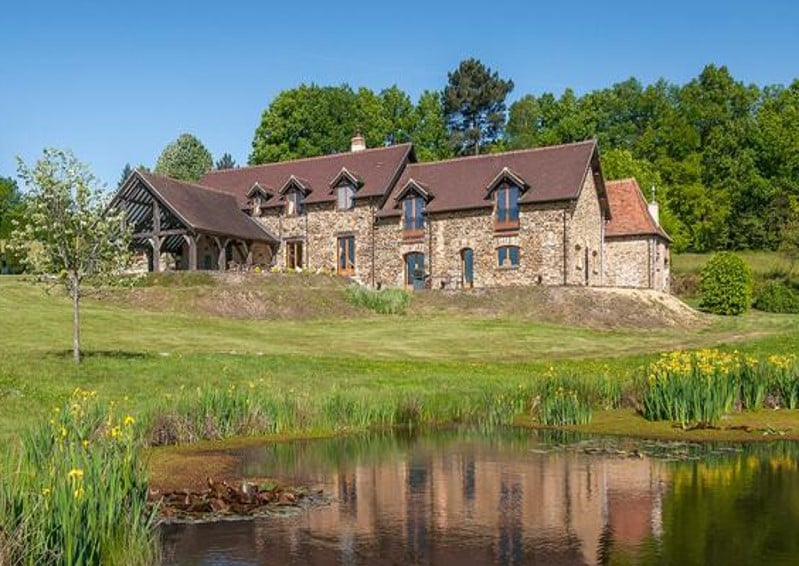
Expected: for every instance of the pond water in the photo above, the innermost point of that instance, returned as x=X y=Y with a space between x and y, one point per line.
x=513 y=497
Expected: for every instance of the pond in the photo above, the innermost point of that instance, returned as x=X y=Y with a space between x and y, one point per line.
x=513 y=497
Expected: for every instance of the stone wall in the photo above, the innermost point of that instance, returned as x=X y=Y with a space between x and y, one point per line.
x=318 y=228
x=584 y=238
x=637 y=261
x=540 y=239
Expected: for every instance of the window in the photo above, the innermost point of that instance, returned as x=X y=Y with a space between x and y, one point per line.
x=293 y=203
x=293 y=255
x=413 y=209
x=346 y=255
x=345 y=195
x=506 y=199
x=508 y=257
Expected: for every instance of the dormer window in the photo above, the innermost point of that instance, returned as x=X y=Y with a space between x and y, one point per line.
x=413 y=214
x=506 y=206
x=345 y=196
x=293 y=203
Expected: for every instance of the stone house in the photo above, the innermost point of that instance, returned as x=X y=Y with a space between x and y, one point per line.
x=542 y=216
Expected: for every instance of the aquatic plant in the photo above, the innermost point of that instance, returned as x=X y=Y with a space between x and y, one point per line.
x=75 y=491
x=563 y=407
x=785 y=380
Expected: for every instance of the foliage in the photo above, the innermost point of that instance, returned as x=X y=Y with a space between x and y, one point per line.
x=10 y=210
x=777 y=296
x=562 y=407
x=126 y=171
x=429 y=135
x=185 y=159
x=384 y=301
x=474 y=106
x=726 y=285
x=76 y=491
x=225 y=162
x=67 y=229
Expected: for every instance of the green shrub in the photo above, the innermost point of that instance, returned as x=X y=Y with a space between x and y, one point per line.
x=726 y=285
x=385 y=301
x=776 y=296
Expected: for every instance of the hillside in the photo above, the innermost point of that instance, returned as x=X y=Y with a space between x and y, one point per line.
x=309 y=297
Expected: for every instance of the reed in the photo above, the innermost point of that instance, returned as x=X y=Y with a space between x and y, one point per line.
x=385 y=301
x=74 y=492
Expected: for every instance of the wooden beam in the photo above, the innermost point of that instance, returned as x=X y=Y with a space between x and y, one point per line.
x=162 y=233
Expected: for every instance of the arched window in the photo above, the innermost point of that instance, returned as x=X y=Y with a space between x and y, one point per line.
x=508 y=257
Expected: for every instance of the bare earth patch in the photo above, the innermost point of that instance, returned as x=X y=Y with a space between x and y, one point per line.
x=306 y=297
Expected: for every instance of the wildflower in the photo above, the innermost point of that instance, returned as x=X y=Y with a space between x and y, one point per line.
x=63 y=432
x=129 y=420
x=75 y=474
x=85 y=443
x=114 y=432
x=46 y=491
x=78 y=493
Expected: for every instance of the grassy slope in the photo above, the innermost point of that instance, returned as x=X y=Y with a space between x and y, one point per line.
x=141 y=355
x=762 y=263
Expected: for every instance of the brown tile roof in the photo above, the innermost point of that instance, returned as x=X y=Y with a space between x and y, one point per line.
x=630 y=213
x=376 y=169
x=206 y=209
x=552 y=173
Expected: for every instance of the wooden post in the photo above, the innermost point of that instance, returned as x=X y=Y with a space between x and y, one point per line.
x=222 y=260
x=155 y=241
x=192 y=242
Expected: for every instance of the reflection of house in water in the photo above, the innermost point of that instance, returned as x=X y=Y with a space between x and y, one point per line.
x=470 y=506
x=476 y=507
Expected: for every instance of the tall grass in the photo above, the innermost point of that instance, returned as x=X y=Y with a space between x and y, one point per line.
x=385 y=301
x=74 y=492
x=701 y=386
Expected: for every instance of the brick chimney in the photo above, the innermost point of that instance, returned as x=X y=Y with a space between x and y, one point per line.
x=357 y=143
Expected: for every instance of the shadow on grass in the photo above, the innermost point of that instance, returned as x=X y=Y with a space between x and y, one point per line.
x=104 y=354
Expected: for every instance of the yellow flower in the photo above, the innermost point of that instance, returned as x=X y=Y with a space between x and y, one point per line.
x=78 y=493
x=75 y=474
x=46 y=491
x=85 y=443
x=114 y=432
x=63 y=432
x=129 y=420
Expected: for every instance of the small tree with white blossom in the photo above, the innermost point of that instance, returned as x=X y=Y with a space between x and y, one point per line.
x=67 y=229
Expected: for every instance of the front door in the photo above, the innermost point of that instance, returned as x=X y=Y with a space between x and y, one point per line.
x=467 y=268
x=414 y=270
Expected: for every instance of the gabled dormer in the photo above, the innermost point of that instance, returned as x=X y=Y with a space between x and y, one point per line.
x=294 y=191
x=257 y=198
x=505 y=190
x=345 y=184
x=413 y=199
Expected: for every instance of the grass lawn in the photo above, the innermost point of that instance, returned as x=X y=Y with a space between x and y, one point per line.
x=137 y=356
x=762 y=263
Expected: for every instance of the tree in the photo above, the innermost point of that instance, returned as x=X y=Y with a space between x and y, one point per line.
x=68 y=230
x=226 y=162
x=429 y=134
x=185 y=159
x=474 y=106
x=10 y=208
x=126 y=171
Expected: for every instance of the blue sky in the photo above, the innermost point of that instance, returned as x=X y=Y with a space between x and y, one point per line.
x=115 y=82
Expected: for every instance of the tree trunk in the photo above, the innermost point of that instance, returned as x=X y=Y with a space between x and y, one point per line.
x=75 y=321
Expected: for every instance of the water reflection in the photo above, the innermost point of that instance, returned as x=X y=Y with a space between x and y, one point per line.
x=454 y=497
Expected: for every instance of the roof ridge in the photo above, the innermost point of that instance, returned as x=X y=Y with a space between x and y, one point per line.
x=367 y=150
x=192 y=184
x=625 y=180
x=504 y=153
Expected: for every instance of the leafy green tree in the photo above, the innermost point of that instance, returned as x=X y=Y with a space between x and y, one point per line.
x=186 y=159
x=398 y=111
x=226 y=162
x=622 y=164
x=429 y=134
x=67 y=229
x=474 y=106
x=306 y=121
x=10 y=210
